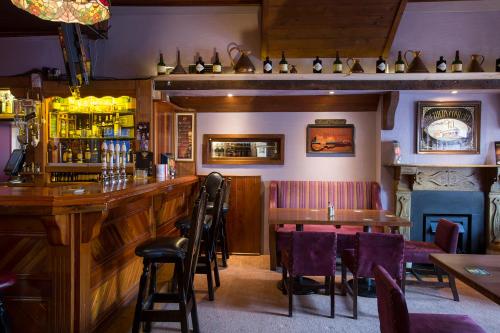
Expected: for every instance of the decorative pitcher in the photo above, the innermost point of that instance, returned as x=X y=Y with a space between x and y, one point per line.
x=244 y=65
x=476 y=60
x=417 y=65
x=355 y=67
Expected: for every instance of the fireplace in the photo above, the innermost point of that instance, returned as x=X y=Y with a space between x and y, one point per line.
x=468 y=195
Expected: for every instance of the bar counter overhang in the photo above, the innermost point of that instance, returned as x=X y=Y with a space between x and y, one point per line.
x=73 y=254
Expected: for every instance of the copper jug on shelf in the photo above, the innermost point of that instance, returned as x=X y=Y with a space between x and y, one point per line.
x=244 y=65
x=475 y=63
x=417 y=64
x=355 y=67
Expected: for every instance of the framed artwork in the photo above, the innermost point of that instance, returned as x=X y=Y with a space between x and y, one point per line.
x=330 y=139
x=184 y=136
x=448 y=127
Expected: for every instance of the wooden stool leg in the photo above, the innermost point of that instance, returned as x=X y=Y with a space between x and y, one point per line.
x=140 y=297
x=284 y=279
x=216 y=272
x=210 y=284
x=194 y=314
x=183 y=317
x=344 y=280
x=439 y=274
x=151 y=292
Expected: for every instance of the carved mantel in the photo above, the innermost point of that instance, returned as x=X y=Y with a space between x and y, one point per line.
x=484 y=178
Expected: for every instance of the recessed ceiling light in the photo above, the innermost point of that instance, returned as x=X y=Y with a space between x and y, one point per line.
x=331 y=92
x=454 y=91
x=229 y=95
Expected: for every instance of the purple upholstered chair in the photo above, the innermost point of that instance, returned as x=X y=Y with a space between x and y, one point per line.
x=394 y=316
x=371 y=249
x=446 y=241
x=310 y=253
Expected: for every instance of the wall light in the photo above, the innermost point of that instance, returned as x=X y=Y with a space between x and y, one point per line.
x=454 y=91
x=229 y=95
x=331 y=92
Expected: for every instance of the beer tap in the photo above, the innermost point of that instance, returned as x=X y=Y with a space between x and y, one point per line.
x=123 y=169
x=104 y=163
x=117 y=162
x=111 y=162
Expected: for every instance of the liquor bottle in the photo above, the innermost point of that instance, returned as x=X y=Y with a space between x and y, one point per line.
x=161 y=67
x=317 y=65
x=79 y=155
x=217 y=66
x=441 y=65
x=456 y=65
x=497 y=68
x=88 y=154
x=399 y=66
x=268 y=66
x=283 y=65
x=94 y=157
x=78 y=130
x=116 y=126
x=69 y=154
x=337 y=64
x=200 y=66
x=381 y=65
x=95 y=127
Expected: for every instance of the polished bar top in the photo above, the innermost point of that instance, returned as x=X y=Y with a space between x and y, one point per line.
x=352 y=217
x=86 y=194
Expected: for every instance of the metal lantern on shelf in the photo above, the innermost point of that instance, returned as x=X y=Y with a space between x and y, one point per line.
x=68 y=11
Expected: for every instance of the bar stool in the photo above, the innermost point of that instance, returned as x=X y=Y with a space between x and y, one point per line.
x=183 y=253
x=6 y=280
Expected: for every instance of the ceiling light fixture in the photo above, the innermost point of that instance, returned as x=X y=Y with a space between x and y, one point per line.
x=229 y=95
x=68 y=11
x=331 y=92
x=454 y=91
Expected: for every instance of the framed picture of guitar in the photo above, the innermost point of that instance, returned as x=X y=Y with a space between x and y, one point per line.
x=330 y=140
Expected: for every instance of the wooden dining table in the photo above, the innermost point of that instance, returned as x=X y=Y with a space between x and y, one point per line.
x=366 y=218
x=479 y=271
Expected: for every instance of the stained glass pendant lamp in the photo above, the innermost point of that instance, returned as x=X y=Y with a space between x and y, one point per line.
x=68 y=11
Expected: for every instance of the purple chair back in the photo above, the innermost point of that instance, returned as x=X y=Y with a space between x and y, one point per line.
x=447 y=236
x=379 y=249
x=392 y=309
x=312 y=253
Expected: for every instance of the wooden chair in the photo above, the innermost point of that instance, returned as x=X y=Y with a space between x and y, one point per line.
x=184 y=254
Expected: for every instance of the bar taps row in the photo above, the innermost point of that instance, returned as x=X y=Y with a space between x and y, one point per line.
x=114 y=163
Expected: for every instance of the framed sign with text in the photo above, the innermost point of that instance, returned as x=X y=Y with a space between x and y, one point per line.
x=184 y=136
x=448 y=127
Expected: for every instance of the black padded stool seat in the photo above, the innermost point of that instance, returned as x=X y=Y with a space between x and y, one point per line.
x=163 y=247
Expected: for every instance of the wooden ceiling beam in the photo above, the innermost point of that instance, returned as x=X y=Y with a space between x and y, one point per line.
x=338 y=103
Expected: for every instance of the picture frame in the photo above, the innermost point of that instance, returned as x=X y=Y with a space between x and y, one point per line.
x=184 y=136
x=448 y=127
x=333 y=140
x=497 y=152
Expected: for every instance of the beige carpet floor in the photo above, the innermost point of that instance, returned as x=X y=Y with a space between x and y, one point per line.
x=248 y=301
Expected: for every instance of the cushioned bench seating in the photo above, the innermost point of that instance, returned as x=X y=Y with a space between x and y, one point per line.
x=316 y=195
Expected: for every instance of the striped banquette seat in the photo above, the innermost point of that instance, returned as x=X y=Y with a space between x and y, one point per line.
x=316 y=195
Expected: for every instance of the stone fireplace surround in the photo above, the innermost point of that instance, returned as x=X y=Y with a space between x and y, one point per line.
x=467 y=194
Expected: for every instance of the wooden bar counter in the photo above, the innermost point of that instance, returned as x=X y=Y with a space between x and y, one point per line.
x=73 y=252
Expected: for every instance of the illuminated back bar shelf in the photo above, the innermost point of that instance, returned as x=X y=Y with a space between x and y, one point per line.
x=77 y=128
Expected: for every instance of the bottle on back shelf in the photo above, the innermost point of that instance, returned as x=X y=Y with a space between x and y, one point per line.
x=161 y=67
x=283 y=65
x=337 y=64
x=399 y=66
x=200 y=66
x=88 y=154
x=116 y=126
x=317 y=65
x=456 y=65
x=268 y=66
x=441 y=65
x=217 y=66
x=381 y=65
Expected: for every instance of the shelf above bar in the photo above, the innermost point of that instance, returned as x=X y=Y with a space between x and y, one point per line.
x=81 y=167
x=180 y=84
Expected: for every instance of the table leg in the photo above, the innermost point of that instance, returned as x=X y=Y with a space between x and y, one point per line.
x=366 y=287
